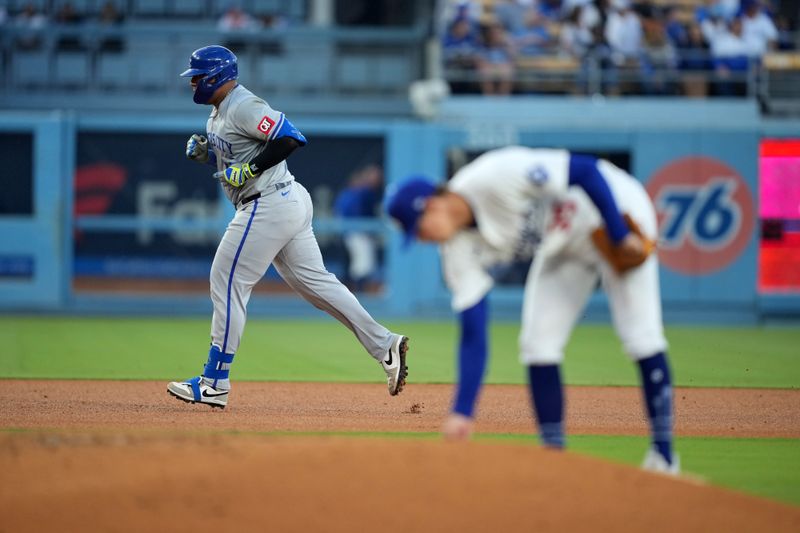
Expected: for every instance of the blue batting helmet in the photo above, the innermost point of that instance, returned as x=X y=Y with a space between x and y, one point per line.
x=217 y=65
x=406 y=202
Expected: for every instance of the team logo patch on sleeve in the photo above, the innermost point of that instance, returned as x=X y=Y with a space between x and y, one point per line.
x=266 y=125
x=538 y=175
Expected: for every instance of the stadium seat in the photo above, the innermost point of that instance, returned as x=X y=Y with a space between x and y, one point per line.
x=274 y=72
x=218 y=7
x=72 y=69
x=392 y=72
x=314 y=74
x=353 y=71
x=156 y=74
x=547 y=73
x=82 y=7
x=149 y=8
x=297 y=10
x=312 y=64
x=114 y=71
x=121 y=5
x=31 y=68
x=15 y=6
x=268 y=7
x=780 y=82
x=189 y=8
x=373 y=71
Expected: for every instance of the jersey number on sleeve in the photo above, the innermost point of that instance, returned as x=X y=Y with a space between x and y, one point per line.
x=562 y=215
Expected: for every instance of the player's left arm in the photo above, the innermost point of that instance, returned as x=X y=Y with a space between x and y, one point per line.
x=286 y=139
x=583 y=172
x=621 y=241
x=273 y=153
x=281 y=138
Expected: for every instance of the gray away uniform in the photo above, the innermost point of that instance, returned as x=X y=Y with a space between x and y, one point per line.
x=274 y=228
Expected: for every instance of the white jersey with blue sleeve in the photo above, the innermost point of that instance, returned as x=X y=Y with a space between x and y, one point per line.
x=510 y=192
x=548 y=202
x=505 y=187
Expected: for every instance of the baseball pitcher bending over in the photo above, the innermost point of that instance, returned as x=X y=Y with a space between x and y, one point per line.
x=586 y=220
x=248 y=142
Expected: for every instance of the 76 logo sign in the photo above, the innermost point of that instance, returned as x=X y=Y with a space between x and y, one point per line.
x=706 y=215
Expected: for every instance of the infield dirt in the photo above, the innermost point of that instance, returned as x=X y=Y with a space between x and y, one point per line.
x=123 y=456
x=310 y=407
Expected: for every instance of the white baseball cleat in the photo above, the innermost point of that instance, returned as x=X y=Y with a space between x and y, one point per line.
x=395 y=365
x=196 y=391
x=655 y=462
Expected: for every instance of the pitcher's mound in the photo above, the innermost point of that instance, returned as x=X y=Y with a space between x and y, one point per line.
x=111 y=482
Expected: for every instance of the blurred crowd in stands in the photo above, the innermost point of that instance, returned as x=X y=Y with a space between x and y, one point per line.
x=692 y=47
x=231 y=15
x=31 y=19
x=654 y=47
x=31 y=24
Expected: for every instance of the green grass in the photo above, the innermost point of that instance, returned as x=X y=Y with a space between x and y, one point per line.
x=278 y=350
x=765 y=467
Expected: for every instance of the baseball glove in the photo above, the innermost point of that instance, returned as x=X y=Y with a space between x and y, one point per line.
x=622 y=258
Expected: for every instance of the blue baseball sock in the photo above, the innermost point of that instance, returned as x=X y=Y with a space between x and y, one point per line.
x=657 y=388
x=548 y=402
x=217 y=368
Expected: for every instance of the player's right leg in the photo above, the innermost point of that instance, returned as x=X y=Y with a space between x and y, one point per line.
x=636 y=310
x=555 y=294
x=256 y=233
x=300 y=264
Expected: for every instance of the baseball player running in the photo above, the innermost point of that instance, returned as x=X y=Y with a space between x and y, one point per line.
x=248 y=142
x=587 y=220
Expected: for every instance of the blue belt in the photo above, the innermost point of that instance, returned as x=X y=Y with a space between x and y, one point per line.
x=256 y=196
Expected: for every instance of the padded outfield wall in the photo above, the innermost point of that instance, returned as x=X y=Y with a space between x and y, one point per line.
x=92 y=198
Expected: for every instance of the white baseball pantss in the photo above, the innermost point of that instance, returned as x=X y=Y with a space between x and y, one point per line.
x=276 y=229
x=560 y=283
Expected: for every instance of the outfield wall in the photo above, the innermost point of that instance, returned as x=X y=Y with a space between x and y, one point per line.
x=111 y=194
